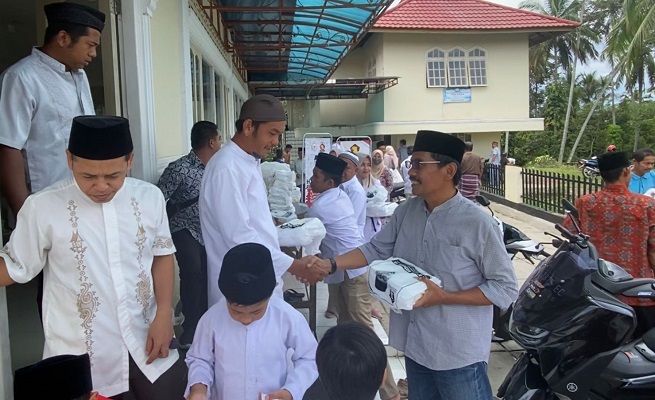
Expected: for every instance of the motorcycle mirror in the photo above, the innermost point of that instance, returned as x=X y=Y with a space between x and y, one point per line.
x=482 y=200
x=570 y=208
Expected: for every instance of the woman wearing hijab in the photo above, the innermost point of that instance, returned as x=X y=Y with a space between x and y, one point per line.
x=366 y=178
x=380 y=172
x=390 y=158
x=373 y=224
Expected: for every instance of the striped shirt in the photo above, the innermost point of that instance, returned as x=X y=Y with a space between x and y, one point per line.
x=460 y=244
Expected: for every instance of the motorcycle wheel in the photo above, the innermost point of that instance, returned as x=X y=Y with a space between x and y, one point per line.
x=588 y=172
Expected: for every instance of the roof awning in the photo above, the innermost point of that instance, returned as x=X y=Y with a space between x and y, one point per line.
x=351 y=88
x=295 y=42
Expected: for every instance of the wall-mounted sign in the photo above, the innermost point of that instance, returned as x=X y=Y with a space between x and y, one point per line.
x=457 y=95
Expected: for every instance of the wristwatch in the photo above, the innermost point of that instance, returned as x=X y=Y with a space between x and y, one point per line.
x=333 y=263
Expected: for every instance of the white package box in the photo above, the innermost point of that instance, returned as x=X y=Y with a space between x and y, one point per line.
x=394 y=282
x=307 y=233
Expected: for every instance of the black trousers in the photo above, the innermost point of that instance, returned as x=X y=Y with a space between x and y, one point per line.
x=169 y=386
x=192 y=260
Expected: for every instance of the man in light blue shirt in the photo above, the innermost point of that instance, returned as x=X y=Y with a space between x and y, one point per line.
x=643 y=177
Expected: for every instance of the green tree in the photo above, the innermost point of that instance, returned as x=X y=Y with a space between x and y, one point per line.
x=634 y=31
x=568 y=49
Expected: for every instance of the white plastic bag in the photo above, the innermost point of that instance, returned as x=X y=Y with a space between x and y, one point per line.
x=285 y=175
x=296 y=195
x=380 y=210
x=376 y=194
x=394 y=282
x=307 y=233
x=284 y=216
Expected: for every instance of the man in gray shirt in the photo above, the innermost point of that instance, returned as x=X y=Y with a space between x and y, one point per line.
x=446 y=337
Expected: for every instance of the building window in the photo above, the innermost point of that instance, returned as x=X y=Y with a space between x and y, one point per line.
x=436 y=68
x=456 y=68
x=457 y=76
x=466 y=137
x=206 y=92
x=477 y=60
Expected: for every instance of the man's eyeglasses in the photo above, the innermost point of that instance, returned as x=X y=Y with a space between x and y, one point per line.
x=417 y=164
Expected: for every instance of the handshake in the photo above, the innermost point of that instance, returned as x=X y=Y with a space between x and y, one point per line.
x=310 y=269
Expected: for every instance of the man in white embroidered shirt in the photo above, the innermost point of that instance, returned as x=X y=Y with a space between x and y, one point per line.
x=233 y=201
x=446 y=337
x=104 y=245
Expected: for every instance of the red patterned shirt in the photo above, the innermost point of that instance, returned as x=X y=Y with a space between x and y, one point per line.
x=621 y=225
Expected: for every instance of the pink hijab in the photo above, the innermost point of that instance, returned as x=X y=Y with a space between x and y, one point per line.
x=392 y=153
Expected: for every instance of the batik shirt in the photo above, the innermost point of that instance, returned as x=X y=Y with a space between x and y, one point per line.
x=621 y=225
x=180 y=182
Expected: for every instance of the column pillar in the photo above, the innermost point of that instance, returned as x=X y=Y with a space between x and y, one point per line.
x=138 y=84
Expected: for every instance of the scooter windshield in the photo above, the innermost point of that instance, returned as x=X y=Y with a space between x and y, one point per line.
x=553 y=288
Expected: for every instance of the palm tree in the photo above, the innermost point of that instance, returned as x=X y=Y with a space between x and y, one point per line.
x=588 y=87
x=628 y=38
x=638 y=70
x=566 y=50
x=605 y=14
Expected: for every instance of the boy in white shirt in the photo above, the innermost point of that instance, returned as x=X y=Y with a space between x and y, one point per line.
x=241 y=343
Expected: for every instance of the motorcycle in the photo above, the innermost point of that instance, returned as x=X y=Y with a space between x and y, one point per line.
x=589 y=168
x=577 y=334
x=516 y=242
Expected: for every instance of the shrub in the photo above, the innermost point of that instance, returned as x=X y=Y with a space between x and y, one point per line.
x=544 y=162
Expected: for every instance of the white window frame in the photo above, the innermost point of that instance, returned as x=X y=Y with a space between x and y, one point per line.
x=479 y=78
x=468 y=68
x=216 y=97
x=435 y=68
x=457 y=68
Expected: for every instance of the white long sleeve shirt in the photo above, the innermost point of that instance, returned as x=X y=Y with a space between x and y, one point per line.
x=237 y=362
x=334 y=209
x=38 y=101
x=98 y=294
x=357 y=196
x=234 y=210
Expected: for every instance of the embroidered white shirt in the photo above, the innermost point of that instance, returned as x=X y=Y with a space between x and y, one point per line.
x=98 y=287
x=38 y=101
x=236 y=361
x=234 y=210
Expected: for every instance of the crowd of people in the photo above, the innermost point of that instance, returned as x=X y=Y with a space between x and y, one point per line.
x=105 y=246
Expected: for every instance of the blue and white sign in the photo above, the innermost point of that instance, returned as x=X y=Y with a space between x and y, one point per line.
x=457 y=95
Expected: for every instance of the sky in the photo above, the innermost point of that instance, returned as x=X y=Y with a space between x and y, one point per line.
x=600 y=67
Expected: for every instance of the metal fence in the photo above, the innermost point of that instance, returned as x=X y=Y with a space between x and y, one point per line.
x=546 y=190
x=493 y=179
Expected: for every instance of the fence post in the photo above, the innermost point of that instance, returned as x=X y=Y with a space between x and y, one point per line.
x=513 y=184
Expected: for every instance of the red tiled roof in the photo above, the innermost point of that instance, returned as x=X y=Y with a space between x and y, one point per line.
x=458 y=15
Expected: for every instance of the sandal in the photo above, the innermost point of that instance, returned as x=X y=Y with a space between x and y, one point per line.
x=291 y=295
